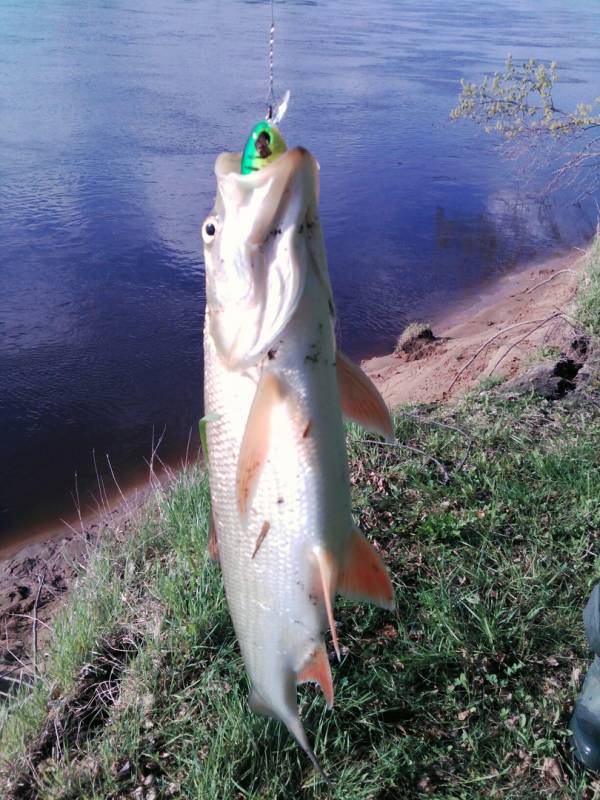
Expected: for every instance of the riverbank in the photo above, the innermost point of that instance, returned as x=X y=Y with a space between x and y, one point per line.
x=487 y=513
x=51 y=561
x=469 y=344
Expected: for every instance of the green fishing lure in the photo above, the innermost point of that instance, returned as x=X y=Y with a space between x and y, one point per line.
x=265 y=142
x=264 y=145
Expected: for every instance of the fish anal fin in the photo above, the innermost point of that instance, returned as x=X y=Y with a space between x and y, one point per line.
x=256 y=440
x=360 y=400
x=326 y=583
x=213 y=547
x=365 y=576
x=317 y=670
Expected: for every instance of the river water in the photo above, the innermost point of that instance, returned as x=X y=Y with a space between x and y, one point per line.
x=112 y=114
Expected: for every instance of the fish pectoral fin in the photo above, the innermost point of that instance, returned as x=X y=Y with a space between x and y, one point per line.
x=365 y=576
x=213 y=546
x=360 y=400
x=317 y=670
x=256 y=440
x=325 y=585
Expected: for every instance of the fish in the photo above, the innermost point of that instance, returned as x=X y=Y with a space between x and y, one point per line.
x=276 y=390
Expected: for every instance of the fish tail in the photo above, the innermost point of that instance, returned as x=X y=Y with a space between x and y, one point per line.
x=294 y=726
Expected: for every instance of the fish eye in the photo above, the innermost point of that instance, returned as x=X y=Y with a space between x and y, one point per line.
x=209 y=229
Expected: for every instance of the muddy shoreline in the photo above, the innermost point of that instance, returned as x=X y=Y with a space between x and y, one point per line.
x=36 y=577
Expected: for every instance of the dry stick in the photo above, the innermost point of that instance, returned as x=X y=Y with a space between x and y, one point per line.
x=461 y=466
x=41 y=578
x=489 y=341
x=435 y=422
x=417 y=450
x=518 y=342
x=551 y=278
x=30 y=616
x=450 y=428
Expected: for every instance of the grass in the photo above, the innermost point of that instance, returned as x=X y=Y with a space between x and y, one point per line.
x=411 y=334
x=464 y=692
x=588 y=313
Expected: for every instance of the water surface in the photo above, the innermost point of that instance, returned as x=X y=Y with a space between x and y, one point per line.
x=112 y=115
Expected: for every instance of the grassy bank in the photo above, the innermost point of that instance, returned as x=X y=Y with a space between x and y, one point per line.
x=464 y=692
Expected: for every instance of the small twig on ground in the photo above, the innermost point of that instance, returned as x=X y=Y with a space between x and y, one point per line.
x=437 y=423
x=551 y=278
x=518 y=342
x=41 y=578
x=448 y=427
x=490 y=340
x=463 y=461
x=411 y=449
x=30 y=616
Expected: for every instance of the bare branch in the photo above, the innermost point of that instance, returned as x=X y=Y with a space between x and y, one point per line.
x=411 y=449
x=490 y=340
x=551 y=278
x=518 y=342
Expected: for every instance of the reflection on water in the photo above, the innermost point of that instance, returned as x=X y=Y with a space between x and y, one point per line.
x=116 y=112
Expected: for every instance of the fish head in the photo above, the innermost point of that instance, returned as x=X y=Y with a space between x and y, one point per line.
x=256 y=252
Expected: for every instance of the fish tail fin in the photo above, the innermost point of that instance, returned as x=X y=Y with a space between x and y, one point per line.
x=292 y=723
x=296 y=729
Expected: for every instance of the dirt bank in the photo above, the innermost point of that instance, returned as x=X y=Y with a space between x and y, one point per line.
x=35 y=580
x=458 y=357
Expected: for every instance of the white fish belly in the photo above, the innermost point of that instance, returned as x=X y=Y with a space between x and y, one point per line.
x=302 y=499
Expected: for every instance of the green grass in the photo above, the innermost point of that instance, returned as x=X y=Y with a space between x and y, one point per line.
x=588 y=314
x=464 y=692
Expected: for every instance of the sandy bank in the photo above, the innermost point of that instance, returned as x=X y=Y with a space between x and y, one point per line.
x=459 y=357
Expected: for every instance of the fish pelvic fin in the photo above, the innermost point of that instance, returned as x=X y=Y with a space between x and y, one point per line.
x=365 y=576
x=317 y=670
x=256 y=440
x=292 y=723
x=360 y=400
x=326 y=584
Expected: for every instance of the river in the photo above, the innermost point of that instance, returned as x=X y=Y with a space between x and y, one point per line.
x=112 y=115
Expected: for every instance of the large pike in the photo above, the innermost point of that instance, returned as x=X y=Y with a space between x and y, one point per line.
x=275 y=390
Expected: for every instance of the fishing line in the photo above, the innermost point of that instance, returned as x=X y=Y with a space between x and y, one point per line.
x=271 y=95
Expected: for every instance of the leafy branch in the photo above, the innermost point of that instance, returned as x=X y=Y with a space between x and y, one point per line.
x=519 y=101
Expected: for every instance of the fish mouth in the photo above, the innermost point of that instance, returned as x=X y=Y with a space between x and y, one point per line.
x=265 y=189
